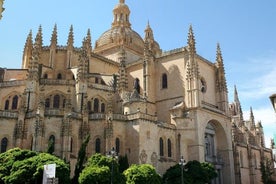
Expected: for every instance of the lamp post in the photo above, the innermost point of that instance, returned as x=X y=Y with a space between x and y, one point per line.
x=182 y=163
x=113 y=155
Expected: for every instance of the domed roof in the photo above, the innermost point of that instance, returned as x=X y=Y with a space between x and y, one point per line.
x=121 y=36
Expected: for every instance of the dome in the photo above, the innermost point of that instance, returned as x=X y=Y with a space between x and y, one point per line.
x=118 y=36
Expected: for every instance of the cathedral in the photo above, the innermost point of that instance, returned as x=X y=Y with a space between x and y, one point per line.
x=128 y=94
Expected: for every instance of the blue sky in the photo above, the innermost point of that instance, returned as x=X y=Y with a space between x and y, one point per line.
x=246 y=31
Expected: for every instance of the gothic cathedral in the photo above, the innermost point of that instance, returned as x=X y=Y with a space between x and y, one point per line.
x=126 y=93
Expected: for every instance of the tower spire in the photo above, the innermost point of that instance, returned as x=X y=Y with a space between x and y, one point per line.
x=252 y=119
x=191 y=41
x=70 y=40
x=221 y=86
x=27 y=51
x=54 y=37
x=38 y=39
x=238 y=109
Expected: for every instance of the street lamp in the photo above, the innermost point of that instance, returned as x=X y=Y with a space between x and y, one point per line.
x=182 y=163
x=113 y=155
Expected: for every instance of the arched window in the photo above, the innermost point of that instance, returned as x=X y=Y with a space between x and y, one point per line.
x=164 y=81
x=117 y=145
x=169 y=148
x=45 y=76
x=89 y=107
x=52 y=141
x=136 y=85
x=59 y=76
x=102 y=107
x=161 y=147
x=47 y=103
x=96 y=80
x=14 y=102
x=96 y=105
x=98 y=145
x=7 y=104
x=4 y=145
x=56 y=101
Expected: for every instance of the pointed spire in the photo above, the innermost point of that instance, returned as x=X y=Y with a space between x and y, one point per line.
x=70 y=40
x=252 y=119
x=221 y=80
x=89 y=41
x=236 y=97
x=54 y=36
x=38 y=39
x=27 y=53
x=148 y=32
x=191 y=41
x=29 y=41
x=238 y=109
x=122 y=1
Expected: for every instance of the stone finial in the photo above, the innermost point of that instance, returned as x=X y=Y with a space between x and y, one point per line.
x=191 y=41
x=38 y=38
x=54 y=36
x=222 y=86
x=70 y=40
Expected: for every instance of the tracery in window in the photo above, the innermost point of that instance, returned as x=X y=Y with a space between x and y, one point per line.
x=96 y=105
x=56 y=101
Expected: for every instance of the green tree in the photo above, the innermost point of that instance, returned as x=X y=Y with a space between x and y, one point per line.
x=193 y=172
x=8 y=158
x=81 y=160
x=27 y=166
x=141 y=174
x=267 y=171
x=98 y=169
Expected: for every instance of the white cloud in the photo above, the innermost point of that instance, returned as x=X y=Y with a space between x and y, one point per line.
x=259 y=76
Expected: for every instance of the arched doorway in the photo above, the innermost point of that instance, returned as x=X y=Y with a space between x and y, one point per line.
x=217 y=149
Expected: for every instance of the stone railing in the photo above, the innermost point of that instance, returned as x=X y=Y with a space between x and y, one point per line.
x=54 y=112
x=8 y=114
x=101 y=87
x=12 y=83
x=140 y=115
x=97 y=116
x=56 y=82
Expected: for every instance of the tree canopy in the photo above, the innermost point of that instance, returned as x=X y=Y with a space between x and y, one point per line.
x=18 y=165
x=193 y=172
x=99 y=168
x=141 y=174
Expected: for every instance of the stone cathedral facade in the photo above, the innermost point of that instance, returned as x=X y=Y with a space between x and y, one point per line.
x=126 y=93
